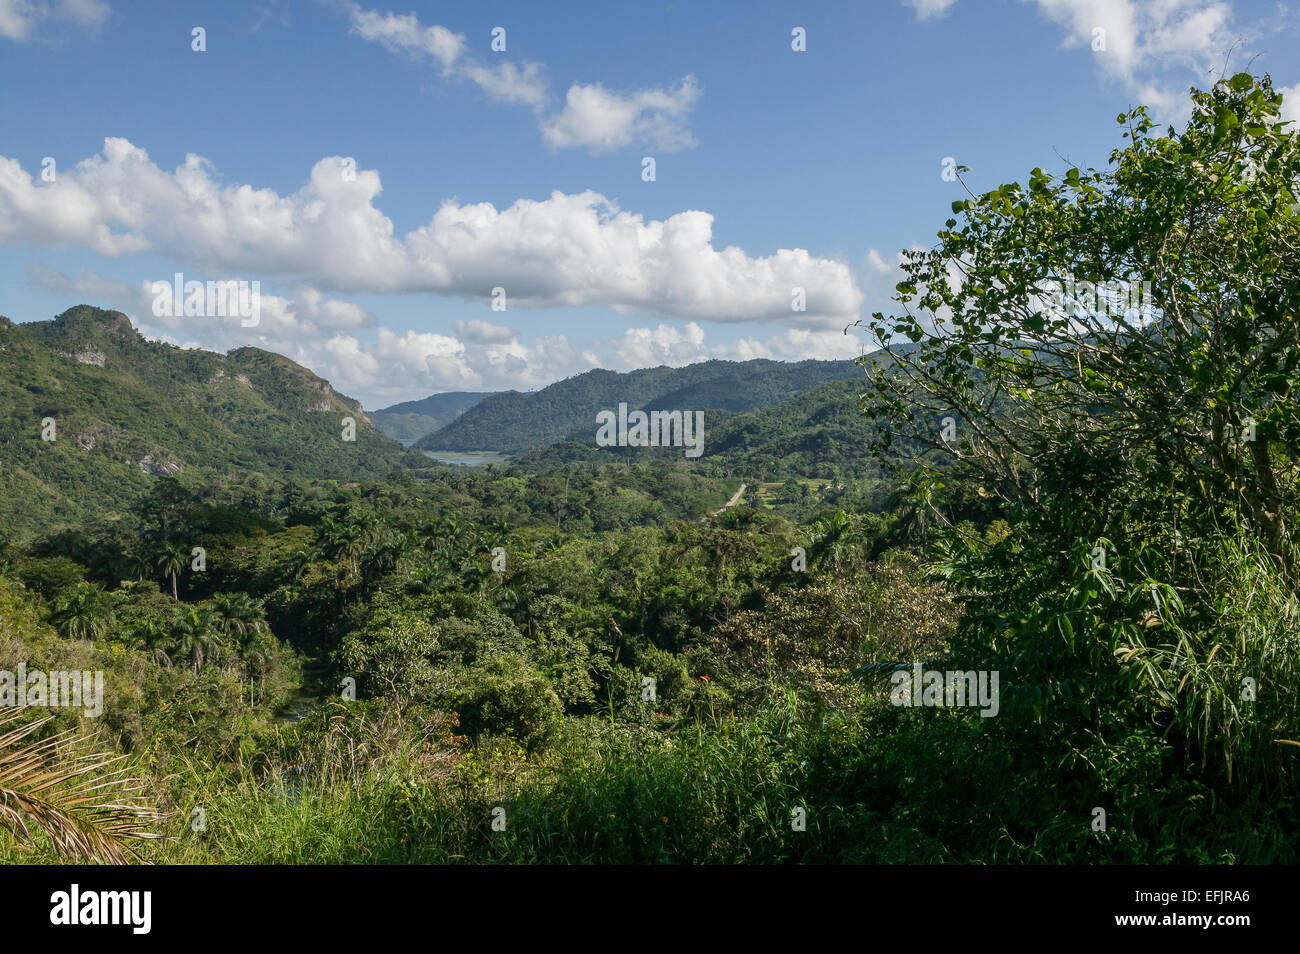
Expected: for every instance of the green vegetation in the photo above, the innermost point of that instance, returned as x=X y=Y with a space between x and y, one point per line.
x=513 y=422
x=126 y=410
x=583 y=660
x=411 y=420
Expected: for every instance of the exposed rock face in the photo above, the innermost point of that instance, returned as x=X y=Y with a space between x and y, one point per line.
x=222 y=376
x=151 y=465
x=87 y=355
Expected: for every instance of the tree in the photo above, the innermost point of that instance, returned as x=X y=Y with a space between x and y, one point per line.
x=83 y=611
x=170 y=560
x=1145 y=444
x=194 y=636
x=138 y=560
x=1145 y=314
x=915 y=501
x=164 y=505
x=154 y=639
x=237 y=617
x=345 y=541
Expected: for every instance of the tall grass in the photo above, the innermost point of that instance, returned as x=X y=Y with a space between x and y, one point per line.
x=1224 y=672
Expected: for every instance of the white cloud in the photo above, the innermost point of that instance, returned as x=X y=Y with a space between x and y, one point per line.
x=88 y=13
x=601 y=120
x=17 y=19
x=283 y=322
x=484 y=332
x=930 y=9
x=507 y=83
x=404 y=33
x=569 y=250
x=1140 y=41
x=333 y=338
x=666 y=344
x=1291 y=105
x=876 y=262
x=20 y=19
x=593 y=117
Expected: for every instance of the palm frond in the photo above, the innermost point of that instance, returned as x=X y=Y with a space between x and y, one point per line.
x=84 y=800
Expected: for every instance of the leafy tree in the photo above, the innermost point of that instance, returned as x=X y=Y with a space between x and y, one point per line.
x=1145 y=313
x=1147 y=448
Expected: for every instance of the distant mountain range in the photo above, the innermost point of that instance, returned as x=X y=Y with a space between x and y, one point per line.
x=125 y=410
x=816 y=433
x=411 y=420
x=512 y=422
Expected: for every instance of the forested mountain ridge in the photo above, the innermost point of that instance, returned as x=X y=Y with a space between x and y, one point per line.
x=125 y=410
x=514 y=422
x=799 y=436
x=411 y=420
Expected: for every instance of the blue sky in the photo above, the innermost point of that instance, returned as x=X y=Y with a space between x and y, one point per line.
x=522 y=169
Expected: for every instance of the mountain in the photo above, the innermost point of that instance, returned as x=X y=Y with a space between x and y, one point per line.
x=805 y=436
x=126 y=410
x=411 y=420
x=513 y=422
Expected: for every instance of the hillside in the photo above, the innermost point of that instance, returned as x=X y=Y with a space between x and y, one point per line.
x=514 y=422
x=411 y=420
x=127 y=410
x=804 y=436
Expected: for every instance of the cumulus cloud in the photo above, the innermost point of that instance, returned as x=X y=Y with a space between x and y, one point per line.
x=572 y=250
x=21 y=19
x=340 y=341
x=876 y=262
x=283 y=322
x=1291 y=105
x=602 y=120
x=484 y=332
x=666 y=344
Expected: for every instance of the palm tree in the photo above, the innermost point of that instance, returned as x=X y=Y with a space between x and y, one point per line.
x=917 y=500
x=301 y=559
x=343 y=541
x=170 y=560
x=833 y=538
x=83 y=611
x=496 y=532
x=151 y=637
x=237 y=616
x=430 y=577
x=138 y=561
x=192 y=630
